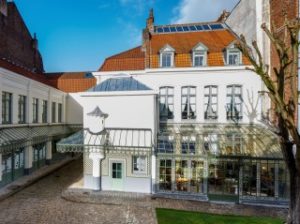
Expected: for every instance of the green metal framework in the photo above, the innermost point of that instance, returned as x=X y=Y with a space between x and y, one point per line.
x=110 y=140
x=23 y=136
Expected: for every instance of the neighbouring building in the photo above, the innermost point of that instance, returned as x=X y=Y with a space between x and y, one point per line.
x=36 y=111
x=180 y=116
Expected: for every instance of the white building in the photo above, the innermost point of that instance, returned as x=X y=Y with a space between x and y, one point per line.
x=34 y=111
x=179 y=116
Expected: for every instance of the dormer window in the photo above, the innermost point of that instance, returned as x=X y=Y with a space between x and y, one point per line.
x=167 y=57
x=233 y=55
x=200 y=55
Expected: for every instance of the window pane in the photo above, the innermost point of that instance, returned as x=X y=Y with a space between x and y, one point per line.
x=193 y=90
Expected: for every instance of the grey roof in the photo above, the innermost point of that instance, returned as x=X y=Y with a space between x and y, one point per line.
x=119 y=84
x=97 y=112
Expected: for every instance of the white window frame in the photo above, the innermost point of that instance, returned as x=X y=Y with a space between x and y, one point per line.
x=7 y=108
x=232 y=50
x=35 y=110
x=198 y=51
x=232 y=95
x=44 y=111
x=167 y=49
x=189 y=96
x=211 y=143
x=22 y=102
x=59 y=112
x=210 y=96
x=137 y=164
x=169 y=94
x=53 y=112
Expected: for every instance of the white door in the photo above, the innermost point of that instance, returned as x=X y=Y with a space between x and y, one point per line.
x=117 y=175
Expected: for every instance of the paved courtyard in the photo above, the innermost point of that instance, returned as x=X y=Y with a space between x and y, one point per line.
x=42 y=203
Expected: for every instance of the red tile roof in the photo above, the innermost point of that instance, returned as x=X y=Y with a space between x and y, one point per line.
x=71 y=82
x=133 y=59
x=24 y=72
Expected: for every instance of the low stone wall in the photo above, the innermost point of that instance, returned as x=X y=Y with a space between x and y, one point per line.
x=151 y=202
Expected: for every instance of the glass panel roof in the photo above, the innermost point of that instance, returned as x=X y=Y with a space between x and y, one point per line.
x=110 y=138
x=188 y=28
x=119 y=84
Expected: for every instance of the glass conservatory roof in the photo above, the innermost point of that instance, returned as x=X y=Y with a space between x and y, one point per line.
x=253 y=141
x=119 y=84
x=110 y=140
x=18 y=137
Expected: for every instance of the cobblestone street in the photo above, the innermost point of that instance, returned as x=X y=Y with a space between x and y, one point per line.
x=42 y=203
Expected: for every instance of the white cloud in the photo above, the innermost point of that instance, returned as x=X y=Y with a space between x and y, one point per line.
x=132 y=32
x=138 y=6
x=200 y=10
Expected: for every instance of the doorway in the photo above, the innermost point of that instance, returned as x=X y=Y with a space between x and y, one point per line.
x=117 y=175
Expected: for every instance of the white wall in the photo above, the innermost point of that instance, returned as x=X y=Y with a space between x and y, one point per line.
x=124 y=110
x=200 y=77
x=19 y=85
x=243 y=19
x=247 y=18
x=74 y=110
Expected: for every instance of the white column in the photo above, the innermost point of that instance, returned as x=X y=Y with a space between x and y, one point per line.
x=14 y=116
x=96 y=182
x=153 y=172
x=49 y=108
x=29 y=104
x=177 y=104
x=48 y=152
x=200 y=103
x=276 y=193
x=222 y=91
x=64 y=106
x=28 y=159
x=0 y=167
x=205 y=176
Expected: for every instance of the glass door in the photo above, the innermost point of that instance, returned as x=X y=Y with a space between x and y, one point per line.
x=117 y=176
x=223 y=181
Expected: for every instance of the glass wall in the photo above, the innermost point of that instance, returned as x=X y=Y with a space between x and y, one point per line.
x=223 y=179
x=265 y=179
x=165 y=175
x=39 y=156
x=185 y=175
x=12 y=166
x=226 y=167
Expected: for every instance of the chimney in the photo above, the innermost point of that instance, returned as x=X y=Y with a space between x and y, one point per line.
x=223 y=17
x=150 y=21
x=35 y=42
x=3 y=7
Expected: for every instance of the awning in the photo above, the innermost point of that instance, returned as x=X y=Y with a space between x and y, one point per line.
x=110 y=140
x=18 y=137
x=252 y=140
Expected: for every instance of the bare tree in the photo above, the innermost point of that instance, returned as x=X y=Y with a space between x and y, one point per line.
x=284 y=77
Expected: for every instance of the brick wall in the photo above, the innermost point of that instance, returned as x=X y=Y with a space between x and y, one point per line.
x=279 y=10
x=16 y=43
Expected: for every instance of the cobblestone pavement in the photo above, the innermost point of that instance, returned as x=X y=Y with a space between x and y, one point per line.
x=42 y=203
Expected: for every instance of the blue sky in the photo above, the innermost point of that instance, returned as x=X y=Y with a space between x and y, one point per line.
x=77 y=35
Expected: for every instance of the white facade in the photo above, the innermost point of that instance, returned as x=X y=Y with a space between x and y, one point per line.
x=19 y=85
x=199 y=78
x=140 y=109
x=27 y=155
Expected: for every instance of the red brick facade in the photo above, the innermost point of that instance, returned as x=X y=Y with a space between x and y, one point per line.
x=279 y=11
x=17 y=45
